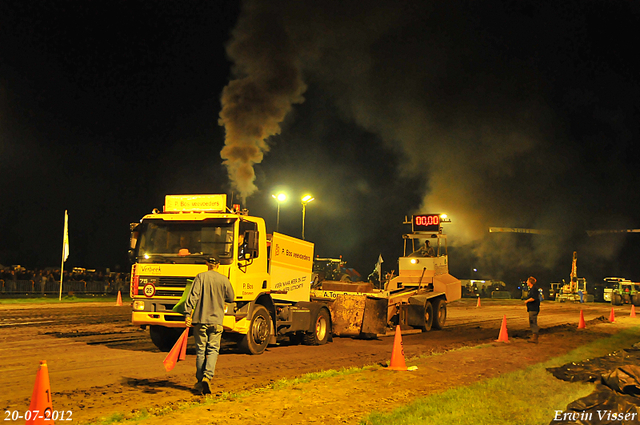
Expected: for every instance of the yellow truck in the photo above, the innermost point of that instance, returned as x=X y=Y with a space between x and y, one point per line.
x=270 y=274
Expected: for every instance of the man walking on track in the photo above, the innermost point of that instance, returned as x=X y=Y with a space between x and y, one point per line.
x=205 y=309
x=533 y=307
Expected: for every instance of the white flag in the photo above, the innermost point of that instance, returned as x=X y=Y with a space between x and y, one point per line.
x=379 y=266
x=65 y=239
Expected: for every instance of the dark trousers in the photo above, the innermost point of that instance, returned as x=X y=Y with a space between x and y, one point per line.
x=533 y=321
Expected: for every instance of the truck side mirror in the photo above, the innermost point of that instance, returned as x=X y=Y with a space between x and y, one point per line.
x=135 y=233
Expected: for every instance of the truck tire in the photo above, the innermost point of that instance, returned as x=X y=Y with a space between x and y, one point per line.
x=616 y=299
x=257 y=338
x=439 y=313
x=635 y=300
x=320 y=334
x=428 y=316
x=164 y=338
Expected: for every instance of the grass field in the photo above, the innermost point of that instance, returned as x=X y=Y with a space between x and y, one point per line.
x=529 y=396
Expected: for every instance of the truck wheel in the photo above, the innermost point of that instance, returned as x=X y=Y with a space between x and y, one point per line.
x=320 y=334
x=616 y=299
x=635 y=299
x=439 y=313
x=428 y=316
x=257 y=339
x=164 y=338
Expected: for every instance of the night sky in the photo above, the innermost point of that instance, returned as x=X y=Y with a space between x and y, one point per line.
x=499 y=113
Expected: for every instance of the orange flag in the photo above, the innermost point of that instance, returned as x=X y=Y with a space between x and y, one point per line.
x=178 y=352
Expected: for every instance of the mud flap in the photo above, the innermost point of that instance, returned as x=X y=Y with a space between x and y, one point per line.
x=412 y=315
x=358 y=315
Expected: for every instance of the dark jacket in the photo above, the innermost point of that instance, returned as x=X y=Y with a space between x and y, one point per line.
x=535 y=294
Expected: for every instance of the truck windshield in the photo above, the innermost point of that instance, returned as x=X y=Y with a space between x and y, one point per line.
x=186 y=239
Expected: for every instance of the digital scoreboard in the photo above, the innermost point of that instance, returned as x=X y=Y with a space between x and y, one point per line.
x=426 y=223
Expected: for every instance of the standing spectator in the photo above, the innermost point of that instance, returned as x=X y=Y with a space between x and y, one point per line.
x=581 y=295
x=37 y=281
x=533 y=307
x=46 y=277
x=119 y=283
x=205 y=309
x=13 y=281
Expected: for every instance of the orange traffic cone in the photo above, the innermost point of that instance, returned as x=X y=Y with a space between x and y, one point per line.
x=178 y=352
x=633 y=311
x=119 y=300
x=612 y=316
x=503 y=336
x=581 y=324
x=397 y=355
x=478 y=305
x=41 y=398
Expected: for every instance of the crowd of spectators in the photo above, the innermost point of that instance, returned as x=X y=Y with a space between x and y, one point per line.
x=42 y=280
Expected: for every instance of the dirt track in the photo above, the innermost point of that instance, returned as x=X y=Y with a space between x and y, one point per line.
x=100 y=364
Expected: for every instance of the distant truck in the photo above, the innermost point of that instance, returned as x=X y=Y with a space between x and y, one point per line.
x=271 y=276
x=625 y=292
x=554 y=289
x=417 y=297
x=609 y=284
x=333 y=269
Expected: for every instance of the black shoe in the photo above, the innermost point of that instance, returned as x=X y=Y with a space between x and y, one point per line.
x=197 y=388
x=206 y=385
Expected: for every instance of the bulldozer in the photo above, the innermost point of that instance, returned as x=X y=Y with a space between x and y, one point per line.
x=416 y=298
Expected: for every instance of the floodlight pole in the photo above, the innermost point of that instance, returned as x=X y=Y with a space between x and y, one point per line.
x=305 y=201
x=278 y=218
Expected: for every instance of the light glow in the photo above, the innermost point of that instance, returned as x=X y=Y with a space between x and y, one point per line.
x=280 y=197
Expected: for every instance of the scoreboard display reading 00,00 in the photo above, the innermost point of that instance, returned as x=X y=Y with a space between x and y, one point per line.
x=426 y=223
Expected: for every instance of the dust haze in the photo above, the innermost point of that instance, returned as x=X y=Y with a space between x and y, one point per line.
x=492 y=104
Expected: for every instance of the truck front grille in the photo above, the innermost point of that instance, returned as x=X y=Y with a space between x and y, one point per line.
x=165 y=286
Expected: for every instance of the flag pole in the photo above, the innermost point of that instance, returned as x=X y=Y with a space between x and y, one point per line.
x=65 y=250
